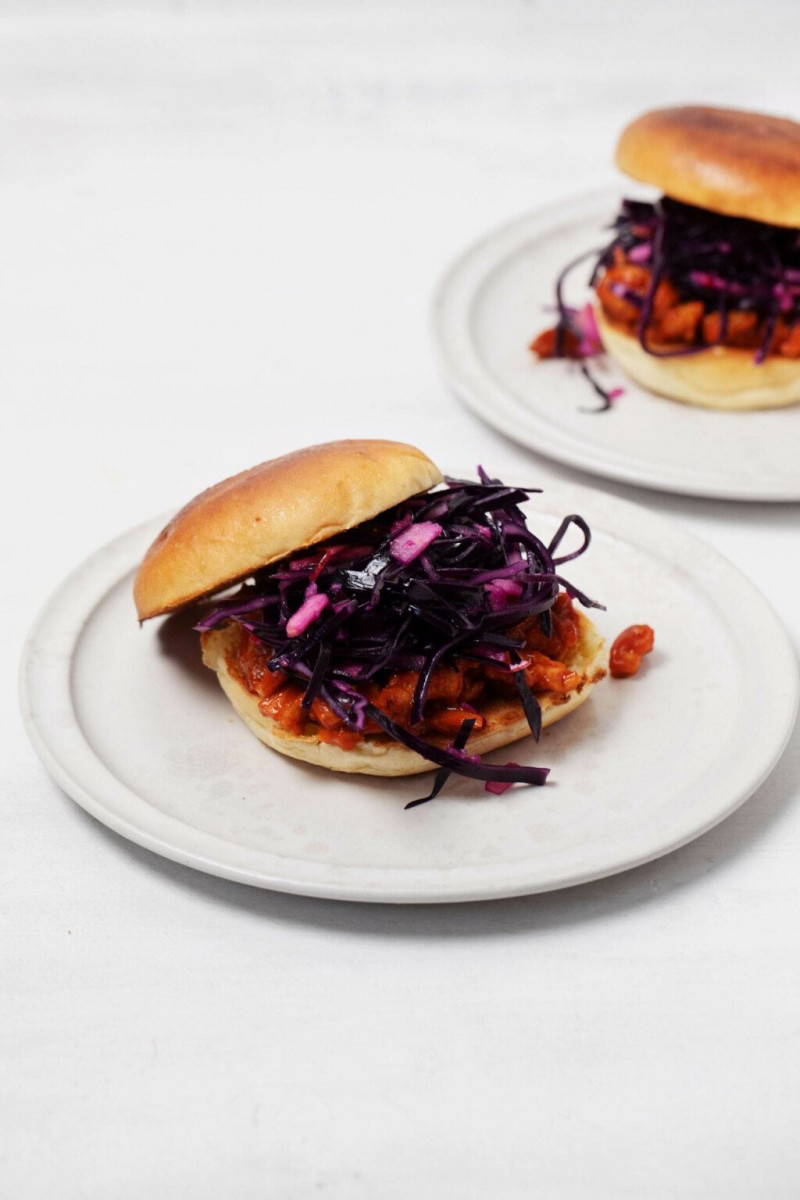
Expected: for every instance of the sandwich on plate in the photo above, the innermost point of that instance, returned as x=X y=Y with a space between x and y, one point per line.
x=365 y=614
x=697 y=295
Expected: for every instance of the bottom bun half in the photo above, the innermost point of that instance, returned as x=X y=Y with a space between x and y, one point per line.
x=378 y=755
x=721 y=377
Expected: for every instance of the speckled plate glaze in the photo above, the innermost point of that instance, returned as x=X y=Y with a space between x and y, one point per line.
x=500 y=293
x=131 y=725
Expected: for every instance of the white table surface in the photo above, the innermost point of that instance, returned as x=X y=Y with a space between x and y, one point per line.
x=220 y=228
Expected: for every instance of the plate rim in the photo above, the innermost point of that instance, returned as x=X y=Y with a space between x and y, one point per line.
x=59 y=626
x=471 y=380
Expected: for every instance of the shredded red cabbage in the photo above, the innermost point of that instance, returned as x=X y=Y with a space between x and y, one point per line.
x=731 y=264
x=446 y=574
x=577 y=335
x=443 y=774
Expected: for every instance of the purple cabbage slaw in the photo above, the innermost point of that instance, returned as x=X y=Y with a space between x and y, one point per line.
x=445 y=574
x=581 y=323
x=732 y=264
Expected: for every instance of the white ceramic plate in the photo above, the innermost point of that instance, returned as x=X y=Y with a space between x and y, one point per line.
x=493 y=301
x=133 y=727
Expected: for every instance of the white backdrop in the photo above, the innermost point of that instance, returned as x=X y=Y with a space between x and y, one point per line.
x=220 y=229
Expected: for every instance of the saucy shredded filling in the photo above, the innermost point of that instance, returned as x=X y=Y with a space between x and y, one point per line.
x=682 y=279
x=675 y=320
x=454 y=694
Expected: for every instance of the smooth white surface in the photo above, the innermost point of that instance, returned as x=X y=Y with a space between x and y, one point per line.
x=203 y=792
x=221 y=231
x=499 y=294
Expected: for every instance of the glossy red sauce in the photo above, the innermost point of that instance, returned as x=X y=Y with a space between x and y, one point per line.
x=454 y=694
x=673 y=322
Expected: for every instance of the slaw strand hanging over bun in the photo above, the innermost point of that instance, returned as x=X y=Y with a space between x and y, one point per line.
x=419 y=637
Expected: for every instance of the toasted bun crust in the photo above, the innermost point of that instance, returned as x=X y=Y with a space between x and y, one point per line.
x=505 y=721
x=720 y=377
x=261 y=515
x=742 y=164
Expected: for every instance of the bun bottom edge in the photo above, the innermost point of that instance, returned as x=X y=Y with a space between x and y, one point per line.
x=722 y=377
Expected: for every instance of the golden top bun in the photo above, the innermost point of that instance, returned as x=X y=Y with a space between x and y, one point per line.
x=720 y=377
x=261 y=515
x=505 y=720
x=742 y=164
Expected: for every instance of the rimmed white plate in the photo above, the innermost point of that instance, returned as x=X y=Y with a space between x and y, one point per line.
x=130 y=724
x=499 y=294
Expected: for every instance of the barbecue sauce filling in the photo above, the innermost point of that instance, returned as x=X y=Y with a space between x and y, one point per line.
x=456 y=691
x=682 y=279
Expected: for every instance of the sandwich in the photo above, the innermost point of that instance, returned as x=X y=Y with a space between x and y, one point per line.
x=697 y=296
x=364 y=614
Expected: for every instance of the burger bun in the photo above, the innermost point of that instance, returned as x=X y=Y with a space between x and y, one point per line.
x=721 y=377
x=275 y=509
x=741 y=164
